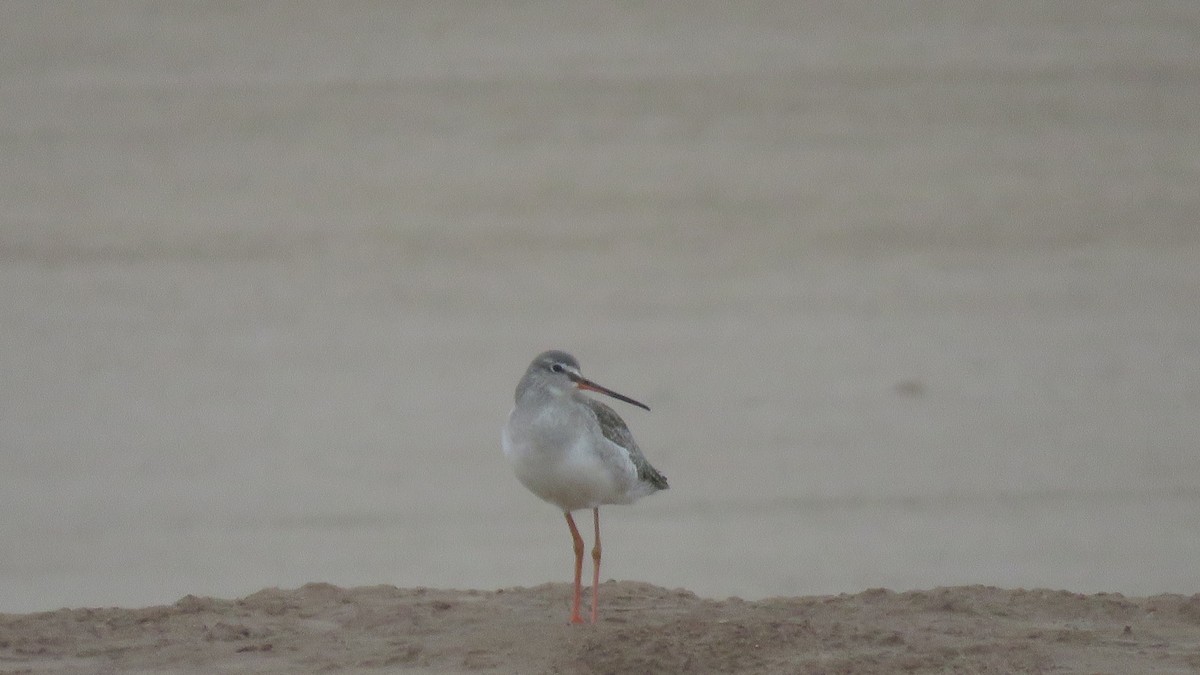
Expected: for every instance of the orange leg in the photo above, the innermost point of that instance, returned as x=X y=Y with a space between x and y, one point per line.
x=596 y=565
x=578 y=541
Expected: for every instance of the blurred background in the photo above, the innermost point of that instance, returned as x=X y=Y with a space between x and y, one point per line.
x=911 y=289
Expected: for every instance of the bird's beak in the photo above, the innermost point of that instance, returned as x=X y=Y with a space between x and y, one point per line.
x=582 y=382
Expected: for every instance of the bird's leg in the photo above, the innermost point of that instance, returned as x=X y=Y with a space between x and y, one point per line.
x=578 y=541
x=596 y=565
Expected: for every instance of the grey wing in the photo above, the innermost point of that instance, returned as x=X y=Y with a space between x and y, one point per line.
x=615 y=430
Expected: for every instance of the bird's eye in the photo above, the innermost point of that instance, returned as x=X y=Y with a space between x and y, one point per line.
x=558 y=367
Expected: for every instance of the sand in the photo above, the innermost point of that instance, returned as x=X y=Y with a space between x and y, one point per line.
x=644 y=628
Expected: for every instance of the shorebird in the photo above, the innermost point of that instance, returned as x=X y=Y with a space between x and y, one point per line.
x=575 y=452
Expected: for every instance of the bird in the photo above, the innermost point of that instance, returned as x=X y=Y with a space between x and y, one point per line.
x=575 y=452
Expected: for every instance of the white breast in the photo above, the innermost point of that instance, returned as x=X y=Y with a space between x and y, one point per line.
x=568 y=465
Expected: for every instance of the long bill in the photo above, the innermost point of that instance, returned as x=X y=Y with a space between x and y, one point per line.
x=584 y=383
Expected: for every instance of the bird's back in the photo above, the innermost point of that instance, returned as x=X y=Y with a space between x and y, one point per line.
x=615 y=430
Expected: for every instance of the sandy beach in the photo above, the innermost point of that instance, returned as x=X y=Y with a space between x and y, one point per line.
x=646 y=629
x=910 y=289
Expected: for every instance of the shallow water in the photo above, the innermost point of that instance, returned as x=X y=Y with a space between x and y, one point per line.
x=912 y=297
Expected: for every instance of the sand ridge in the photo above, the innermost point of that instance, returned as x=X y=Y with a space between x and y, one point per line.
x=324 y=628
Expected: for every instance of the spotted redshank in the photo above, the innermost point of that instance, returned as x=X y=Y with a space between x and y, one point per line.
x=575 y=452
